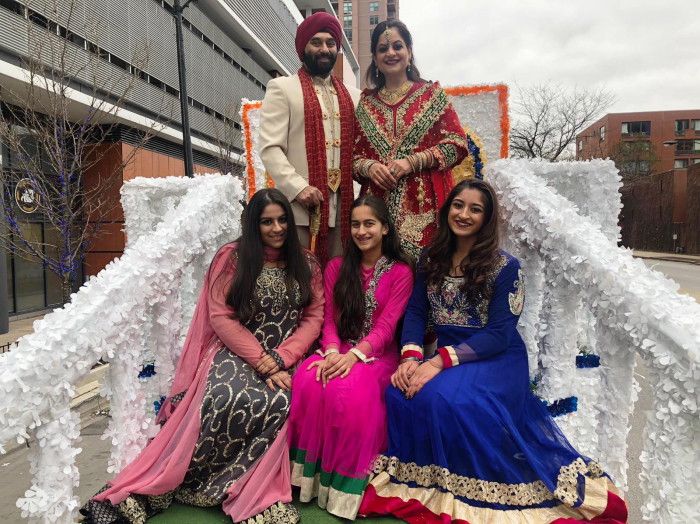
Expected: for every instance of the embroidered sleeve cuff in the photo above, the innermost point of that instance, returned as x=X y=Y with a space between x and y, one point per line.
x=448 y=356
x=411 y=350
x=455 y=355
x=363 y=358
x=329 y=351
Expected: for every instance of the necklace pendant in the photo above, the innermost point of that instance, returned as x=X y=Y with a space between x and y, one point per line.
x=334 y=179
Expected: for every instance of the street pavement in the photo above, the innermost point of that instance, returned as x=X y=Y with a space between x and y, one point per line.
x=92 y=461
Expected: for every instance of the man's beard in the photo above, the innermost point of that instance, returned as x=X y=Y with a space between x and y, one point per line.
x=316 y=69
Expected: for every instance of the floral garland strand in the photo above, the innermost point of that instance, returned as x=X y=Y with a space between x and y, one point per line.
x=636 y=310
x=105 y=319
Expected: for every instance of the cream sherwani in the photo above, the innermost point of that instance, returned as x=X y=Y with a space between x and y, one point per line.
x=283 y=141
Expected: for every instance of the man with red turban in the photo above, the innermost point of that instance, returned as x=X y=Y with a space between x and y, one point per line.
x=307 y=136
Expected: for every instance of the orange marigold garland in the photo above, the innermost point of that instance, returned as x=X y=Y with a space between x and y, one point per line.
x=248 y=132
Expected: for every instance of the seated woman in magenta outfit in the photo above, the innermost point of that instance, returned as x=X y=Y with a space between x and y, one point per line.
x=338 y=417
x=468 y=441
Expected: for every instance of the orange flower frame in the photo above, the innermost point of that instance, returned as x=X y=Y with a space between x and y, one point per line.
x=502 y=91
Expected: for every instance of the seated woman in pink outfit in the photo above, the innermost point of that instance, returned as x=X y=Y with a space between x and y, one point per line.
x=338 y=416
x=224 y=438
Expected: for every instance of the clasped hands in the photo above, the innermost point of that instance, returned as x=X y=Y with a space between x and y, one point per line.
x=333 y=365
x=412 y=375
x=386 y=177
x=267 y=366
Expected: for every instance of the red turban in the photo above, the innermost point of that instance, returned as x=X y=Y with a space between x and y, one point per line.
x=317 y=23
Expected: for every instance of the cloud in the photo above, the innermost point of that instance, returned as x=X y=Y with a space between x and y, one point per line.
x=644 y=51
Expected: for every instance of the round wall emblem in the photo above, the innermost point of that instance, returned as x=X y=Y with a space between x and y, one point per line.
x=26 y=196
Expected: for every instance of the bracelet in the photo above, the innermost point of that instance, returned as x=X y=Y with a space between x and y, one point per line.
x=407 y=359
x=278 y=359
x=363 y=166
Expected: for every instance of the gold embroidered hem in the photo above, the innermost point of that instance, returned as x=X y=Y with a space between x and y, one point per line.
x=278 y=513
x=525 y=494
x=444 y=503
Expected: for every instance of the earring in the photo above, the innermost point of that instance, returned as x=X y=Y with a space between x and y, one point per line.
x=409 y=68
x=376 y=71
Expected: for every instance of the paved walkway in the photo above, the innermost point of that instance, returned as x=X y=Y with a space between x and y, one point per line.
x=671 y=257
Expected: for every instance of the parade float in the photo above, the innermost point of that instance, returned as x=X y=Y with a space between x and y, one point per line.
x=590 y=308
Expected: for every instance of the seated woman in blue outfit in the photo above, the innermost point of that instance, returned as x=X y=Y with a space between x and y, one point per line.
x=468 y=441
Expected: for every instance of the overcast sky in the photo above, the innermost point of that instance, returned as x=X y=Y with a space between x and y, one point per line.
x=646 y=52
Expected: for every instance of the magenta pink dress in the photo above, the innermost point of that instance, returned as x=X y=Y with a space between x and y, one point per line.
x=335 y=433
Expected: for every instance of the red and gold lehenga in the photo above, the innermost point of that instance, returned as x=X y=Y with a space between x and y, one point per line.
x=424 y=120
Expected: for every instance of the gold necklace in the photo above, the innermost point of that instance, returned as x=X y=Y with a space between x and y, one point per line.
x=394 y=95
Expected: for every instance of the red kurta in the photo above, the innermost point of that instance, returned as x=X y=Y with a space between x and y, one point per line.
x=423 y=120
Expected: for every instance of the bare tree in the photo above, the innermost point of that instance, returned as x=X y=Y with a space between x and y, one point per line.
x=548 y=118
x=57 y=122
x=635 y=158
x=227 y=135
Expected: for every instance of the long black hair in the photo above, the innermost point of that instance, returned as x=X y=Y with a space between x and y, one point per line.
x=248 y=257
x=348 y=296
x=437 y=258
x=374 y=77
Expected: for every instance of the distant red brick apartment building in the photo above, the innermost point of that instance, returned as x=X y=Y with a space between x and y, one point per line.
x=655 y=152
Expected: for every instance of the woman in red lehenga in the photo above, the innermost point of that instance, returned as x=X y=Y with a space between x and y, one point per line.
x=409 y=137
x=224 y=440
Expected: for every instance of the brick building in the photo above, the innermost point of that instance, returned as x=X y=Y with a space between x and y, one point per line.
x=657 y=153
x=674 y=135
x=359 y=17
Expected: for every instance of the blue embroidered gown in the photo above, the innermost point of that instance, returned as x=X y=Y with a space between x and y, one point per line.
x=475 y=445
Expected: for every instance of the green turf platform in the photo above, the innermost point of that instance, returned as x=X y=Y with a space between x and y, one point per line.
x=310 y=513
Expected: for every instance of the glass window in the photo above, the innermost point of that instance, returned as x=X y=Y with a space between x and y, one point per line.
x=683 y=146
x=348 y=34
x=373 y=19
x=10 y=287
x=347 y=8
x=347 y=22
x=696 y=126
x=374 y=6
x=681 y=126
x=580 y=145
x=680 y=163
x=696 y=161
x=53 y=282
x=636 y=128
x=4 y=158
x=602 y=133
x=29 y=275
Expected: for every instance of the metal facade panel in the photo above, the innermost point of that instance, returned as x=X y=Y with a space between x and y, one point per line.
x=273 y=24
x=13 y=37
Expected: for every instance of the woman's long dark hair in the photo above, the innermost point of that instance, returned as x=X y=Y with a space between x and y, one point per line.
x=348 y=296
x=374 y=77
x=248 y=257
x=437 y=258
